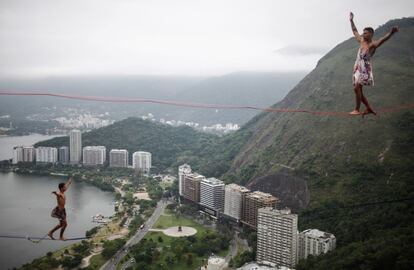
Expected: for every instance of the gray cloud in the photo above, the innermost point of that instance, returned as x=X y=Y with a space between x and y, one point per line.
x=189 y=37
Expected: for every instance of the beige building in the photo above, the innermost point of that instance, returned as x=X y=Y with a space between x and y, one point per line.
x=252 y=202
x=191 y=187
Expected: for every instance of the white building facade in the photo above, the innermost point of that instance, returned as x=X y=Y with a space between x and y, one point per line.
x=94 y=155
x=233 y=200
x=277 y=234
x=315 y=242
x=183 y=170
x=29 y=154
x=17 y=154
x=75 y=145
x=46 y=155
x=63 y=155
x=212 y=193
x=141 y=161
x=118 y=158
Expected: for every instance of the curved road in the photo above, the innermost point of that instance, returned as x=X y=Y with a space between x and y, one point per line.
x=112 y=263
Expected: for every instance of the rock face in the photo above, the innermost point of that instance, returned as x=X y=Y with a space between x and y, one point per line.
x=291 y=190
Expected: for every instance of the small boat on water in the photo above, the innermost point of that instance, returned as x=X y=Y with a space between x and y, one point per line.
x=99 y=218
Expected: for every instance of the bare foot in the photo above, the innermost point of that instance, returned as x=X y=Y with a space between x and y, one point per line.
x=355 y=112
x=369 y=111
x=62 y=238
x=51 y=235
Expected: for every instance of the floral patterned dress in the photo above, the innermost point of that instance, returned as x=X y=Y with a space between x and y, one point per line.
x=363 y=69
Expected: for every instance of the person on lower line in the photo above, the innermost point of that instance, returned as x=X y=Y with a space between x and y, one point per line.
x=59 y=211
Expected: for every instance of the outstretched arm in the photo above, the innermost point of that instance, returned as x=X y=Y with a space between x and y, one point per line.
x=68 y=182
x=380 y=41
x=354 y=29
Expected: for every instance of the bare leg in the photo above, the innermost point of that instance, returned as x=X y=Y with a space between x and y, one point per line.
x=64 y=225
x=358 y=99
x=50 y=234
x=368 y=110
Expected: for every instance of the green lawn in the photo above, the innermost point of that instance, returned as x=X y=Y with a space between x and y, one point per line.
x=165 y=222
x=169 y=221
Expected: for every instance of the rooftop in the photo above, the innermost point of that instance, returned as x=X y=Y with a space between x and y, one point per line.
x=213 y=181
x=236 y=187
x=317 y=233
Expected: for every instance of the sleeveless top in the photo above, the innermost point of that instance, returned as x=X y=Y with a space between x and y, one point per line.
x=363 y=69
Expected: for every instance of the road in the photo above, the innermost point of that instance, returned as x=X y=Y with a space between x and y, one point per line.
x=112 y=263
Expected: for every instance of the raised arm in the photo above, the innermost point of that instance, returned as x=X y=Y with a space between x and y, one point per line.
x=68 y=182
x=387 y=36
x=354 y=29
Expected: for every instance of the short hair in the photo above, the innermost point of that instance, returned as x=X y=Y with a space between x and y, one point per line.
x=61 y=185
x=369 y=29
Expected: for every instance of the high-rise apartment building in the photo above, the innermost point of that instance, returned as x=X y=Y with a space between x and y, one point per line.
x=63 y=155
x=182 y=171
x=118 y=158
x=17 y=154
x=212 y=194
x=46 y=155
x=277 y=234
x=75 y=145
x=233 y=200
x=252 y=202
x=191 y=188
x=29 y=154
x=141 y=161
x=94 y=155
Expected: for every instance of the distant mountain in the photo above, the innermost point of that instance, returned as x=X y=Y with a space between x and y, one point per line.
x=262 y=89
x=241 y=88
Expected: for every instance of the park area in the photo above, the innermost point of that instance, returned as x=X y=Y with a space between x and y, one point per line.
x=160 y=251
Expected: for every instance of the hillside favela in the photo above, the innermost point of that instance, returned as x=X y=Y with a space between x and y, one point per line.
x=206 y=135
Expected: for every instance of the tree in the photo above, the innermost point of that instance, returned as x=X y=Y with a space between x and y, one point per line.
x=189 y=259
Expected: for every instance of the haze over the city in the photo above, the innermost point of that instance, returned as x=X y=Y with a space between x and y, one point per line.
x=183 y=37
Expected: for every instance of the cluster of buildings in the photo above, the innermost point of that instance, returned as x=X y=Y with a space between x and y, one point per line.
x=87 y=120
x=278 y=240
x=87 y=156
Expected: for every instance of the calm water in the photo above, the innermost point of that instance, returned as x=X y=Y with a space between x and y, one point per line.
x=7 y=143
x=25 y=206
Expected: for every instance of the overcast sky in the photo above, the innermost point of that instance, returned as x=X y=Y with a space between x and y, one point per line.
x=177 y=37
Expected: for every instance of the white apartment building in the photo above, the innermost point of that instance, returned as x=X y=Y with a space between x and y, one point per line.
x=141 y=161
x=94 y=155
x=46 y=155
x=17 y=154
x=63 y=155
x=315 y=242
x=212 y=193
x=29 y=154
x=277 y=234
x=233 y=200
x=75 y=145
x=182 y=171
x=118 y=158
